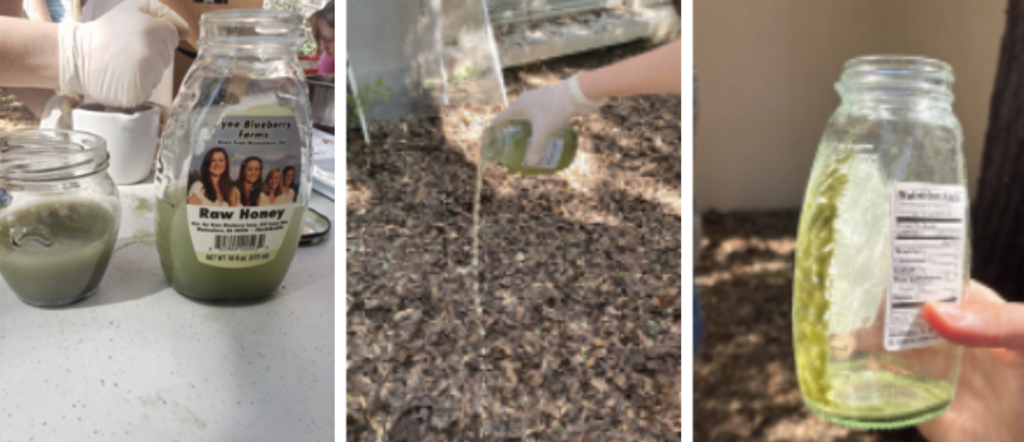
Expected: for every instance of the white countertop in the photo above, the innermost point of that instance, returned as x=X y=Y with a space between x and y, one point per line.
x=139 y=362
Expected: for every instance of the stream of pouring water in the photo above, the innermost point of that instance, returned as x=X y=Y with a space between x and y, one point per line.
x=476 y=239
x=481 y=165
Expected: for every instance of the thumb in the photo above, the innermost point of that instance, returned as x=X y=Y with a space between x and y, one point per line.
x=986 y=325
x=160 y=10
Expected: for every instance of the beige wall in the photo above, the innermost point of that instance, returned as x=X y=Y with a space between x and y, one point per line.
x=766 y=70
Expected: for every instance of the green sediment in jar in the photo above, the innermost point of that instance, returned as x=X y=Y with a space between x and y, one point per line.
x=507 y=144
x=204 y=282
x=815 y=245
x=857 y=397
x=56 y=252
x=846 y=390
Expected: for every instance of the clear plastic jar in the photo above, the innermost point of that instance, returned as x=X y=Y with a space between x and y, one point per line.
x=884 y=228
x=59 y=215
x=234 y=169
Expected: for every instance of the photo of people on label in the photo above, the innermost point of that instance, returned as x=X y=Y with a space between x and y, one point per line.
x=211 y=183
x=249 y=187
x=273 y=188
x=214 y=184
x=290 y=187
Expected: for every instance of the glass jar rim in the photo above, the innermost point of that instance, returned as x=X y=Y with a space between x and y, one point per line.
x=897 y=77
x=896 y=62
x=250 y=27
x=40 y=155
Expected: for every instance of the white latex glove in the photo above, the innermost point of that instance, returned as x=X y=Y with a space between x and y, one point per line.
x=118 y=59
x=548 y=109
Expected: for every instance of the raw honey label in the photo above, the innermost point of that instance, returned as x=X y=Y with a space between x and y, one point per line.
x=926 y=259
x=243 y=187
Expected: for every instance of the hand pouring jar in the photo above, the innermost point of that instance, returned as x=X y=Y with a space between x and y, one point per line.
x=233 y=172
x=59 y=215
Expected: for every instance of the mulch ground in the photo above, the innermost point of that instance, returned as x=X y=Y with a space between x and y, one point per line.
x=745 y=386
x=14 y=115
x=579 y=279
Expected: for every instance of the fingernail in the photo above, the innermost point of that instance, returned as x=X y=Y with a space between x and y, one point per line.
x=952 y=313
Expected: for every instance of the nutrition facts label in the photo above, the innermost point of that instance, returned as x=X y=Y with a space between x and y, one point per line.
x=926 y=259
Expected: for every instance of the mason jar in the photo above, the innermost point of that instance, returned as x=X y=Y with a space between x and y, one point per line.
x=234 y=168
x=59 y=215
x=884 y=229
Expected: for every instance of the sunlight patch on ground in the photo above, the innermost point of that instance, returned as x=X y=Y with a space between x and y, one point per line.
x=539 y=79
x=739 y=245
x=806 y=428
x=358 y=197
x=781 y=273
x=591 y=216
x=464 y=127
x=586 y=174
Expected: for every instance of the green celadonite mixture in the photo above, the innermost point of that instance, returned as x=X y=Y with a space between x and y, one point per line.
x=813 y=260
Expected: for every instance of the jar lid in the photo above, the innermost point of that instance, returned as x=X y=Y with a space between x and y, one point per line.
x=51 y=154
x=315 y=228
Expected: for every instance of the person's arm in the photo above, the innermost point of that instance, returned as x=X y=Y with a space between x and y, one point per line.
x=30 y=52
x=654 y=72
x=116 y=60
x=35 y=99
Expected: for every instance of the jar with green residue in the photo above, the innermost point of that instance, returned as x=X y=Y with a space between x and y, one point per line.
x=884 y=229
x=507 y=144
x=59 y=215
x=234 y=170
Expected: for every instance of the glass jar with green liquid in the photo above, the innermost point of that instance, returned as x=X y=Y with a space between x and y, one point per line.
x=234 y=169
x=59 y=215
x=884 y=229
x=507 y=143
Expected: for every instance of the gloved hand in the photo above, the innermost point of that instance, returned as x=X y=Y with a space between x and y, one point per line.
x=548 y=109
x=118 y=59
